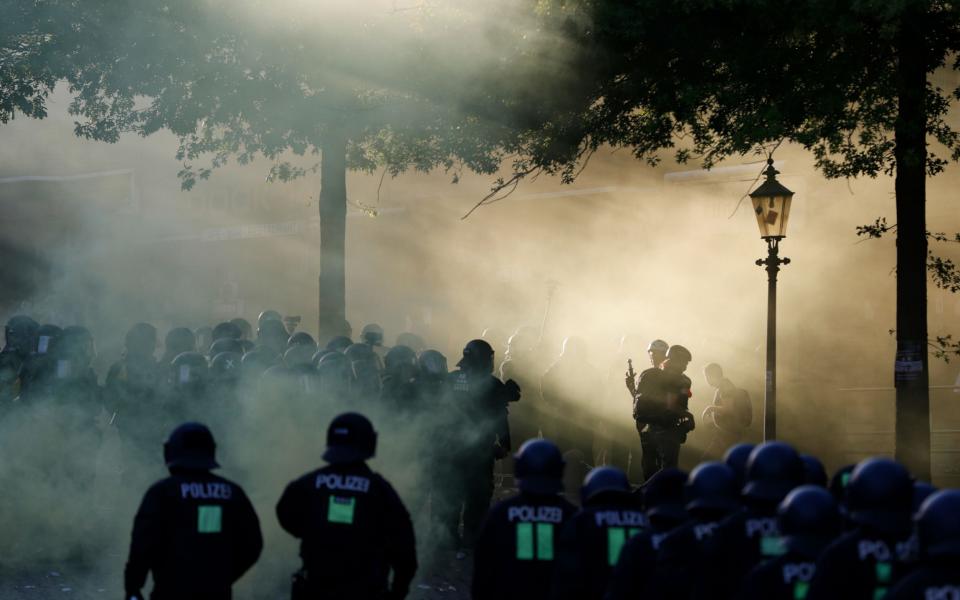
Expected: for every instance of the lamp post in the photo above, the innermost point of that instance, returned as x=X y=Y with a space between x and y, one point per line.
x=771 y=204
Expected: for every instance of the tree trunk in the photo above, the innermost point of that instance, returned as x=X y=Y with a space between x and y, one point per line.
x=333 y=235
x=911 y=372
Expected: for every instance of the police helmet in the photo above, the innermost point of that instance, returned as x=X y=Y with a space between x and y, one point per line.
x=360 y=353
x=274 y=330
x=938 y=525
x=679 y=353
x=48 y=334
x=712 y=486
x=736 y=458
x=178 y=341
x=663 y=495
x=603 y=480
x=921 y=491
x=538 y=466
x=269 y=315
x=399 y=356
x=432 y=363
x=141 y=339
x=258 y=360
x=301 y=338
x=658 y=346
x=20 y=333
x=412 y=341
x=319 y=354
x=773 y=469
x=809 y=519
x=477 y=354
x=225 y=366
x=372 y=334
x=339 y=343
x=298 y=355
x=839 y=482
x=226 y=331
x=189 y=368
x=334 y=364
x=246 y=329
x=350 y=438
x=225 y=345
x=880 y=495
x=190 y=446
x=815 y=473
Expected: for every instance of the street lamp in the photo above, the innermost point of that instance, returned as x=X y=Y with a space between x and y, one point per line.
x=771 y=204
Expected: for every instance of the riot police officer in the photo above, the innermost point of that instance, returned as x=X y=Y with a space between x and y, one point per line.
x=352 y=526
x=661 y=412
x=663 y=503
x=177 y=341
x=938 y=533
x=477 y=434
x=809 y=520
x=590 y=544
x=20 y=335
x=516 y=546
x=196 y=532
x=753 y=534
x=866 y=562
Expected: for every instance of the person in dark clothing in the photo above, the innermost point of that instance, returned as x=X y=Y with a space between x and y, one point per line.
x=663 y=503
x=195 y=532
x=938 y=533
x=514 y=557
x=730 y=414
x=661 y=411
x=352 y=526
x=809 y=521
x=752 y=534
x=711 y=495
x=590 y=544
x=867 y=561
x=478 y=434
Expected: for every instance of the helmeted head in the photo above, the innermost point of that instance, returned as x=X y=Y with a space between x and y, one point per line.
x=190 y=446
x=269 y=315
x=178 y=341
x=273 y=335
x=246 y=329
x=880 y=495
x=301 y=338
x=335 y=373
x=711 y=489
x=20 y=335
x=141 y=340
x=538 y=466
x=432 y=365
x=663 y=496
x=604 y=481
x=713 y=374
x=773 y=469
x=189 y=370
x=400 y=362
x=350 y=439
x=677 y=359
x=226 y=345
x=372 y=334
x=256 y=361
x=299 y=355
x=736 y=458
x=657 y=351
x=815 y=473
x=339 y=343
x=226 y=331
x=477 y=357
x=938 y=525
x=809 y=519
x=225 y=367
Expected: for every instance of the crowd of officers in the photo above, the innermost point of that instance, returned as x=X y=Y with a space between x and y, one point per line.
x=766 y=522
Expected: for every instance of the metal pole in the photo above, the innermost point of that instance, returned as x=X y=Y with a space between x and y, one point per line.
x=772 y=264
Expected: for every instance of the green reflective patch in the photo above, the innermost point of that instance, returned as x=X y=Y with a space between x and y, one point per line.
x=800 y=590
x=845 y=479
x=544 y=541
x=209 y=519
x=340 y=510
x=616 y=538
x=772 y=545
x=879 y=593
x=633 y=531
x=524 y=541
x=884 y=572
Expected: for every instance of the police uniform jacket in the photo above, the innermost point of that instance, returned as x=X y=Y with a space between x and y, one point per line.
x=633 y=576
x=786 y=577
x=590 y=545
x=741 y=541
x=937 y=580
x=516 y=548
x=862 y=564
x=479 y=414
x=197 y=533
x=353 y=529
